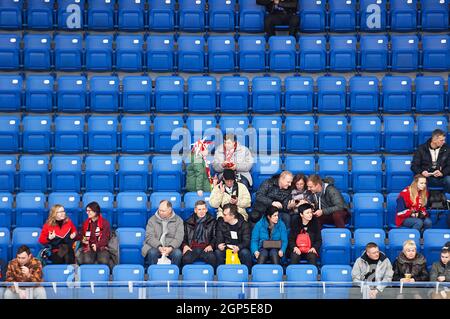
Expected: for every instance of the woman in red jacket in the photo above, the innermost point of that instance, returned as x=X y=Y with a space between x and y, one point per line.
x=59 y=234
x=95 y=236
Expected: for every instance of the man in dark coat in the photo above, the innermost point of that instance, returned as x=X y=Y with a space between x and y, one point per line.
x=281 y=12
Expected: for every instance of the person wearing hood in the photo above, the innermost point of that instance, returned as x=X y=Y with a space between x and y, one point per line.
x=163 y=235
x=373 y=266
x=410 y=266
x=432 y=160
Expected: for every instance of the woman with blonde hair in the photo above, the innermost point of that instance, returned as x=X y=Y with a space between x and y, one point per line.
x=410 y=265
x=411 y=205
x=59 y=234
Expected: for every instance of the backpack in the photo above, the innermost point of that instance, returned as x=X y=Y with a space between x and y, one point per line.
x=437 y=200
x=303 y=242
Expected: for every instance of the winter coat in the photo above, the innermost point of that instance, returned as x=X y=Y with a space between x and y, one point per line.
x=289 y=5
x=242 y=228
x=269 y=192
x=383 y=270
x=330 y=200
x=62 y=234
x=422 y=160
x=98 y=233
x=405 y=206
x=313 y=231
x=154 y=231
x=260 y=233
x=417 y=267
x=218 y=199
x=189 y=228
x=439 y=269
x=196 y=177
x=242 y=157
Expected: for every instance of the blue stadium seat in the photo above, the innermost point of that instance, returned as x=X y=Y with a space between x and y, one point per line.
x=37 y=134
x=6 y=211
x=191 y=15
x=161 y=15
x=62 y=277
x=201 y=94
x=269 y=276
x=403 y=15
x=102 y=134
x=91 y=277
x=163 y=127
x=9 y=51
x=251 y=16
x=336 y=274
x=190 y=198
x=398 y=172
x=343 y=53
x=433 y=241
x=236 y=125
x=99 y=52
x=313 y=53
x=69 y=136
x=133 y=173
x=337 y=168
x=397 y=237
x=71 y=203
x=391 y=209
x=167 y=173
x=68 y=52
x=26 y=236
x=100 y=15
x=368 y=210
x=267 y=138
x=9 y=134
x=366 y=174
x=37 y=52
x=221 y=54
x=135 y=137
x=374 y=52
x=11 y=14
x=131 y=15
x=131 y=241
x=252 y=53
x=332 y=136
x=302 y=273
x=336 y=246
x=397 y=94
x=173 y=197
x=160 y=53
x=10 y=92
x=364 y=94
x=201 y=127
x=373 y=15
x=129 y=53
x=71 y=14
x=104 y=93
x=331 y=94
x=39 y=93
x=130 y=274
x=299 y=134
x=30 y=211
x=300 y=164
x=312 y=15
x=233 y=94
x=200 y=275
x=169 y=94
x=398 y=134
x=66 y=173
x=232 y=277
x=71 y=93
x=100 y=173
x=33 y=173
x=40 y=14
x=363 y=236
x=265 y=167
x=162 y=281
x=429 y=94
x=436 y=52
x=427 y=124
x=365 y=134
x=282 y=53
x=299 y=94
x=8 y=173
x=266 y=94
x=191 y=53
x=131 y=209
x=221 y=15
x=136 y=94
x=342 y=15
x=405 y=53
x=434 y=15
x=104 y=199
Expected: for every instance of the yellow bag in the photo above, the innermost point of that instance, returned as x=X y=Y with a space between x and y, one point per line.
x=232 y=258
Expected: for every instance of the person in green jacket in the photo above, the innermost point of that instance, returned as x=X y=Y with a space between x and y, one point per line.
x=198 y=176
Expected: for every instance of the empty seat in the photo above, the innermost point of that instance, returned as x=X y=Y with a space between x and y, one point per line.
x=397 y=237
x=313 y=53
x=312 y=15
x=364 y=94
x=433 y=241
x=373 y=15
x=331 y=94
x=337 y=168
x=336 y=246
x=434 y=15
x=26 y=236
x=221 y=15
x=299 y=134
x=269 y=277
x=163 y=127
x=37 y=52
x=71 y=203
x=169 y=94
x=252 y=53
x=99 y=52
x=100 y=15
x=129 y=55
x=104 y=93
x=236 y=125
x=403 y=15
x=365 y=134
x=71 y=93
x=130 y=243
x=363 y=236
x=427 y=124
x=221 y=54
x=235 y=274
x=343 y=53
x=302 y=272
x=40 y=14
x=104 y=199
x=190 y=53
x=267 y=138
x=102 y=134
x=9 y=51
x=429 y=94
x=366 y=174
x=251 y=16
x=200 y=275
x=397 y=94
x=201 y=94
x=299 y=94
x=160 y=53
x=33 y=173
x=39 y=93
x=405 y=53
x=11 y=14
x=131 y=15
x=9 y=134
x=30 y=210
x=168 y=274
x=131 y=209
x=200 y=127
x=6 y=212
x=398 y=134
x=135 y=137
x=66 y=173
x=332 y=134
x=191 y=15
x=264 y=168
x=161 y=15
x=166 y=173
x=69 y=134
x=61 y=277
x=391 y=209
x=342 y=15
x=136 y=94
x=133 y=173
x=374 y=52
x=398 y=173
x=10 y=92
x=91 y=278
x=368 y=210
x=37 y=134
x=131 y=274
x=99 y=173
x=68 y=52
x=8 y=173
x=71 y=14
x=157 y=197
x=436 y=52
x=282 y=53
x=300 y=164
x=233 y=94
x=337 y=275
x=266 y=94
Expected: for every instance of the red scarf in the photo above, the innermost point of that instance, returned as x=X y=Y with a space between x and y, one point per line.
x=87 y=229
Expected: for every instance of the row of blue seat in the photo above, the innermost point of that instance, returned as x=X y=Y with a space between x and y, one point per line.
x=222 y=15
x=160 y=53
x=200 y=94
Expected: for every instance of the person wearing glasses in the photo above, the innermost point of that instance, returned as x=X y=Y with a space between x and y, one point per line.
x=58 y=234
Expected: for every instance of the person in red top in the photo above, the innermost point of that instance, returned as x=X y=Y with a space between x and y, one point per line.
x=95 y=236
x=59 y=234
x=411 y=205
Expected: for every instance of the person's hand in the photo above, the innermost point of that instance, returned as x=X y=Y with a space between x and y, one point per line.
x=233 y=201
x=232 y=166
x=73 y=235
x=221 y=187
x=277 y=205
x=437 y=173
x=291 y=204
x=51 y=235
x=426 y=174
x=94 y=247
x=297 y=251
x=313 y=250
x=441 y=278
x=186 y=249
x=25 y=271
x=225 y=164
x=235 y=249
x=276 y=1
x=221 y=246
x=22 y=294
x=257 y=253
x=208 y=249
x=168 y=250
x=318 y=213
x=280 y=253
x=373 y=293
x=200 y=193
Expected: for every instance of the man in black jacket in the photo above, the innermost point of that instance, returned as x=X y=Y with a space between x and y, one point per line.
x=432 y=161
x=281 y=12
